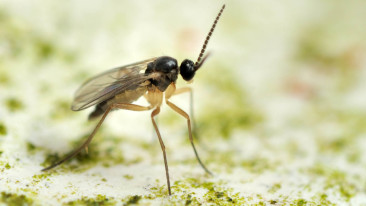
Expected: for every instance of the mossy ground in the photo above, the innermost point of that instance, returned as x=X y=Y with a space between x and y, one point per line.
x=279 y=107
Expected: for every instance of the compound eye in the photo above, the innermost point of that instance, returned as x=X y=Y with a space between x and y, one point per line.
x=187 y=69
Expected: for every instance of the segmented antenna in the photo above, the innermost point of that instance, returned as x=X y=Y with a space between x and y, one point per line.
x=198 y=62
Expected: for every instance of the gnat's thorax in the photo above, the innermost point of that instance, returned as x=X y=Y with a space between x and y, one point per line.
x=165 y=70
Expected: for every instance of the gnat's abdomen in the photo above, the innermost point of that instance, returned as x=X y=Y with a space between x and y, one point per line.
x=127 y=96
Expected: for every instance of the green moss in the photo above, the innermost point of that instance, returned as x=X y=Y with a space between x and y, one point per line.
x=188 y=202
x=301 y=202
x=274 y=188
x=258 y=165
x=273 y=202
x=345 y=142
x=224 y=120
x=15 y=199
x=183 y=191
x=14 y=104
x=313 y=50
x=102 y=150
x=50 y=159
x=3 y=130
x=40 y=176
x=229 y=109
x=99 y=200
x=219 y=196
x=4 y=78
x=20 y=38
x=316 y=200
x=45 y=49
x=129 y=177
x=11 y=35
x=31 y=148
x=133 y=200
x=337 y=180
x=354 y=156
x=7 y=166
x=61 y=110
x=345 y=188
x=322 y=199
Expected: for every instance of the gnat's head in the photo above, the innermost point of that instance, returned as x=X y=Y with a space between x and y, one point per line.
x=188 y=68
x=165 y=69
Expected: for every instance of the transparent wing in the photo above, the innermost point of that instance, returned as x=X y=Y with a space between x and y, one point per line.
x=106 y=85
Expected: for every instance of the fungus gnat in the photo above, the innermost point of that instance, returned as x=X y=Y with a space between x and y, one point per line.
x=118 y=88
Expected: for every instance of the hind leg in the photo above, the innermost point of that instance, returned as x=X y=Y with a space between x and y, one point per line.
x=131 y=107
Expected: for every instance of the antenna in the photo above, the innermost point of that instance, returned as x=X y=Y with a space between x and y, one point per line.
x=198 y=63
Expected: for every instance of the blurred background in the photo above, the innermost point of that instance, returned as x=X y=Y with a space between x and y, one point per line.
x=280 y=105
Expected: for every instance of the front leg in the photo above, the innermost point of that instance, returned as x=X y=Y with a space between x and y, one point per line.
x=191 y=108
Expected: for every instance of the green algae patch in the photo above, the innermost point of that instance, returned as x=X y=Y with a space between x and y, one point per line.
x=338 y=180
x=15 y=199
x=23 y=42
x=32 y=149
x=99 y=200
x=313 y=50
x=225 y=120
x=13 y=104
x=184 y=191
x=11 y=34
x=7 y=166
x=4 y=78
x=50 y=159
x=3 y=129
x=335 y=180
x=61 y=110
x=40 y=177
x=274 y=188
x=103 y=150
x=128 y=177
x=133 y=200
x=44 y=49
x=301 y=202
x=345 y=142
x=322 y=199
x=229 y=108
x=258 y=165
x=221 y=196
x=225 y=161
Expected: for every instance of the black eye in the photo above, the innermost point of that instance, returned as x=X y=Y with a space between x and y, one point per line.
x=187 y=69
